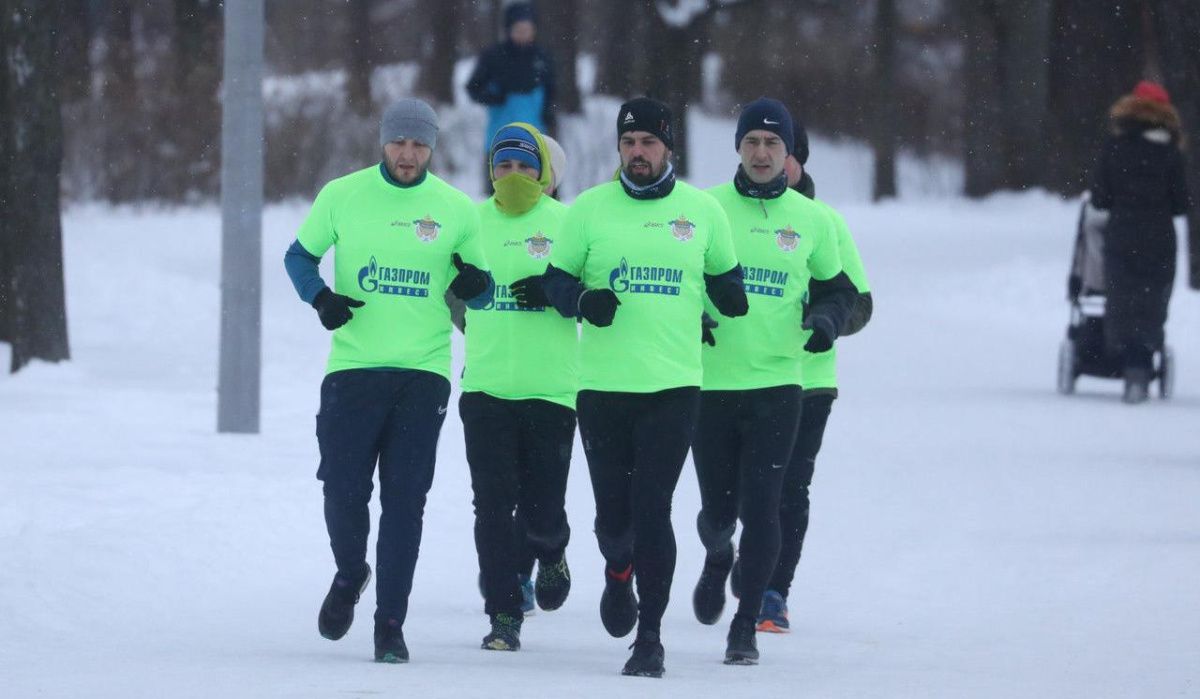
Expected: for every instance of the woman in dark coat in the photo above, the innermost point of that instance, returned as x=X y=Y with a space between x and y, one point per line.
x=1140 y=181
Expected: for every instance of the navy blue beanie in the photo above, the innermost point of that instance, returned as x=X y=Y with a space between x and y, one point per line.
x=516 y=143
x=769 y=115
x=518 y=12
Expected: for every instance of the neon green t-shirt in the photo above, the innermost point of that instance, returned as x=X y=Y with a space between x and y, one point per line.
x=781 y=243
x=392 y=249
x=517 y=353
x=820 y=370
x=654 y=254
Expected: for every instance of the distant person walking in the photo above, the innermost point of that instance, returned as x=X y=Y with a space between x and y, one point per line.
x=401 y=237
x=514 y=79
x=1140 y=180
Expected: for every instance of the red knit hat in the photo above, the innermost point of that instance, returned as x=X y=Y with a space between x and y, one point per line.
x=1152 y=91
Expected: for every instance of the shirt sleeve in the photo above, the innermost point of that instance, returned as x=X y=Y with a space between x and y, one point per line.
x=825 y=262
x=719 y=256
x=470 y=246
x=848 y=251
x=569 y=253
x=317 y=234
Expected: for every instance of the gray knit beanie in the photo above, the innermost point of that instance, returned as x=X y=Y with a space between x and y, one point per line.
x=409 y=118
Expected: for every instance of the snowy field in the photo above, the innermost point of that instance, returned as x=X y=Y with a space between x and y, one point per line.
x=974 y=534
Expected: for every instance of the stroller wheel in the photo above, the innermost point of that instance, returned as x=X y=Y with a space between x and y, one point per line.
x=1066 y=367
x=1166 y=373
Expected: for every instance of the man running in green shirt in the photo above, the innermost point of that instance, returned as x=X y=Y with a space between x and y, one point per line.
x=820 y=390
x=635 y=259
x=751 y=402
x=402 y=238
x=519 y=385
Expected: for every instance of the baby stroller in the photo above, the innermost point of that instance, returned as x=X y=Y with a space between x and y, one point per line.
x=1083 y=352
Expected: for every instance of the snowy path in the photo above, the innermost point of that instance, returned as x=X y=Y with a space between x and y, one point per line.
x=974 y=533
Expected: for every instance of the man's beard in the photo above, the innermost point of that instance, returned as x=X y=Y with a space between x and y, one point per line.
x=420 y=170
x=648 y=179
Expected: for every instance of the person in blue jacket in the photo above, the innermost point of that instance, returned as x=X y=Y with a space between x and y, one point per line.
x=514 y=79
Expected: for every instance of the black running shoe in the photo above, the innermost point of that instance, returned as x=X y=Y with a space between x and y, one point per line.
x=553 y=583
x=337 y=611
x=618 y=605
x=506 y=633
x=389 y=642
x=741 y=648
x=647 y=658
x=708 y=599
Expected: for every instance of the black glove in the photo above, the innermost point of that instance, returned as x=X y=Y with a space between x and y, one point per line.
x=822 y=336
x=706 y=330
x=729 y=297
x=529 y=292
x=598 y=306
x=470 y=281
x=334 y=309
x=1074 y=287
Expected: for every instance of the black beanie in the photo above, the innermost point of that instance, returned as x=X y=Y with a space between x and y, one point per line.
x=645 y=114
x=800 y=149
x=517 y=12
x=769 y=115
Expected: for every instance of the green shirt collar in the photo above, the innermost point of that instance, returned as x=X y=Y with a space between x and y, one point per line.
x=387 y=177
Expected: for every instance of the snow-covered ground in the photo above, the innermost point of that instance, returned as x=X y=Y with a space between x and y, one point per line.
x=974 y=534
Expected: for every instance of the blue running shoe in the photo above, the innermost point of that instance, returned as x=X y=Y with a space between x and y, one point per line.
x=773 y=618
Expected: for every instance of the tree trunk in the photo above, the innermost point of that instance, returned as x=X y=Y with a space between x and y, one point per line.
x=122 y=143
x=76 y=41
x=982 y=134
x=1007 y=79
x=1176 y=28
x=883 y=138
x=439 y=49
x=558 y=30
x=38 y=319
x=1096 y=55
x=676 y=73
x=361 y=58
x=615 y=62
x=1025 y=28
x=8 y=306
x=193 y=114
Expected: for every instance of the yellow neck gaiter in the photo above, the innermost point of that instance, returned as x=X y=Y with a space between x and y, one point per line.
x=517 y=193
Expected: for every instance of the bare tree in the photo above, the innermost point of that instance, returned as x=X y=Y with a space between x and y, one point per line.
x=439 y=49
x=33 y=306
x=1096 y=54
x=1007 y=43
x=192 y=114
x=361 y=57
x=1176 y=28
x=616 y=64
x=121 y=149
x=883 y=134
x=558 y=29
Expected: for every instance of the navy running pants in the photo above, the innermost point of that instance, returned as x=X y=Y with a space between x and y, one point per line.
x=391 y=419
